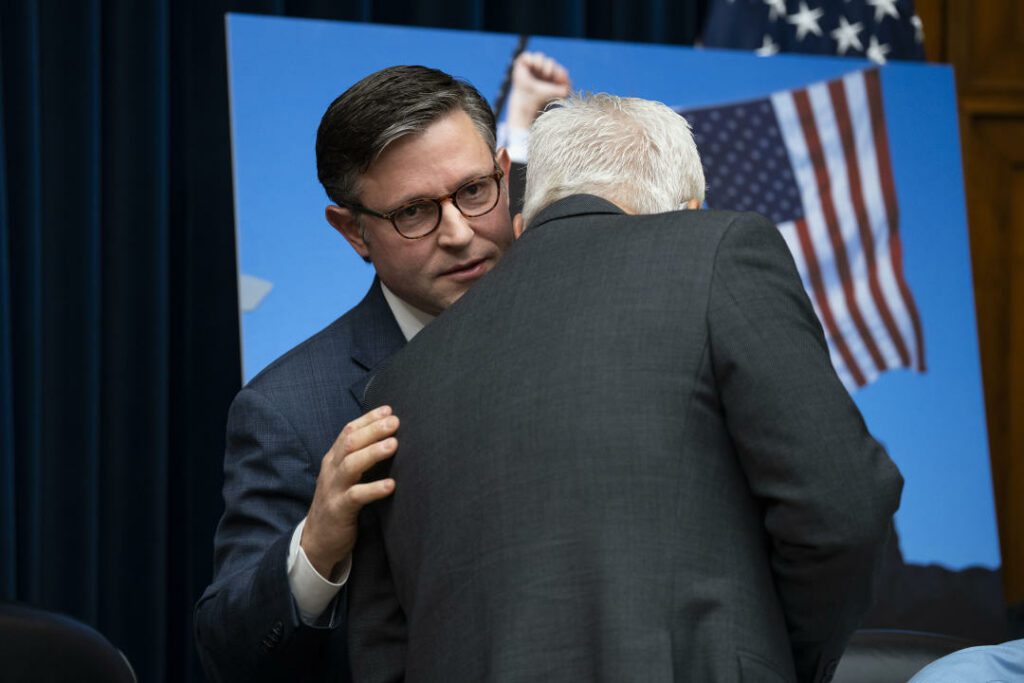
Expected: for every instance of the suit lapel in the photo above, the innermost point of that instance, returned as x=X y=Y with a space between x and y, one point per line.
x=375 y=336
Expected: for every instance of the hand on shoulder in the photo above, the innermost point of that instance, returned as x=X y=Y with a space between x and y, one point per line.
x=330 y=531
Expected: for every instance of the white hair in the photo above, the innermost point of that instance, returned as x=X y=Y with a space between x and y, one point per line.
x=636 y=153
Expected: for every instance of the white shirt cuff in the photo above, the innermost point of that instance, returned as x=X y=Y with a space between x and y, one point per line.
x=515 y=140
x=312 y=592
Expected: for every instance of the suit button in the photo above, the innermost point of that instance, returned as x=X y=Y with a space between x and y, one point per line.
x=273 y=638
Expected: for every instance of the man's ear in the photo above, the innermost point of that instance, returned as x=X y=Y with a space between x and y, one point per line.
x=693 y=204
x=504 y=161
x=344 y=221
x=517 y=225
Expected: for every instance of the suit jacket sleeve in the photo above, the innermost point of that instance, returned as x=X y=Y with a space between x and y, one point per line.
x=828 y=490
x=247 y=624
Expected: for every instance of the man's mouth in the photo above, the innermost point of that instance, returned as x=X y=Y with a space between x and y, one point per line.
x=468 y=270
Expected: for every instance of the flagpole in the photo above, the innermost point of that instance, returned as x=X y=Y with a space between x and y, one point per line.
x=506 y=84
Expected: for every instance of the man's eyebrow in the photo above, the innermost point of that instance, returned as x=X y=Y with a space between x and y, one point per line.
x=415 y=197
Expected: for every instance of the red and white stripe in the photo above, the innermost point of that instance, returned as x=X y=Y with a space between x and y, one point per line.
x=847 y=245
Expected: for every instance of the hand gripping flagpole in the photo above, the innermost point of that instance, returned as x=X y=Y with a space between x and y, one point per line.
x=506 y=84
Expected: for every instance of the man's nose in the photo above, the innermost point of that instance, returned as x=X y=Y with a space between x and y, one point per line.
x=455 y=231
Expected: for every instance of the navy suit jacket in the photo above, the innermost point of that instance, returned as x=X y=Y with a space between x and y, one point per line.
x=279 y=428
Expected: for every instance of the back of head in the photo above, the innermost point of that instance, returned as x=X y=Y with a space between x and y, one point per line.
x=636 y=153
x=382 y=108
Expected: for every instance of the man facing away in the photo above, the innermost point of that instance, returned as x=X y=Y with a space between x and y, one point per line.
x=408 y=159
x=625 y=454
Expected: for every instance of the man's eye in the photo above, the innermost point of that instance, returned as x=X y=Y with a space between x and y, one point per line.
x=471 y=190
x=411 y=211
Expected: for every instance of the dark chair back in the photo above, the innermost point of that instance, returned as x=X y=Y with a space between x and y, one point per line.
x=43 y=647
x=891 y=656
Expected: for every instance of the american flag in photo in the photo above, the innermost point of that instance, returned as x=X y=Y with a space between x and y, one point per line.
x=880 y=30
x=815 y=160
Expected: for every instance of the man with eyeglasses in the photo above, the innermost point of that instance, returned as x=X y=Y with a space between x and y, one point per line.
x=419 y=189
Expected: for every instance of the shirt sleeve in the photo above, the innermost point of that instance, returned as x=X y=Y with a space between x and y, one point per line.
x=312 y=592
x=515 y=140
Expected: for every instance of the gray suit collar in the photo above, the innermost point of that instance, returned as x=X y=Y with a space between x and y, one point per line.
x=576 y=205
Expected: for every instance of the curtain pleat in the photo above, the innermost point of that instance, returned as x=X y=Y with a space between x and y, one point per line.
x=118 y=312
x=71 y=305
x=23 y=276
x=136 y=278
x=8 y=538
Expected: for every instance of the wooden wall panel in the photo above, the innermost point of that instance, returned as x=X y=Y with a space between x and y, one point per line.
x=933 y=17
x=984 y=41
x=1012 y=469
x=994 y=172
x=987 y=45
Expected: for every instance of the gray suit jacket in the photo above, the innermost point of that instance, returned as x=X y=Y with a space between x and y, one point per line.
x=279 y=428
x=624 y=456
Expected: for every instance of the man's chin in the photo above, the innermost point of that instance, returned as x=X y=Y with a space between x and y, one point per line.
x=452 y=298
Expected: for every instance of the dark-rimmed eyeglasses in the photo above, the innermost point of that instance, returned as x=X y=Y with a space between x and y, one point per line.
x=421 y=217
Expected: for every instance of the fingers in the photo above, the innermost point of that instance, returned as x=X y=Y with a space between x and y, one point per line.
x=363 y=443
x=561 y=76
x=364 y=494
x=366 y=418
x=356 y=464
x=372 y=427
x=536 y=80
x=330 y=529
x=544 y=68
x=552 y=71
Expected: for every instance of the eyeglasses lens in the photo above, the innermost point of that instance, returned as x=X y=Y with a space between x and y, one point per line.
x=473 y=199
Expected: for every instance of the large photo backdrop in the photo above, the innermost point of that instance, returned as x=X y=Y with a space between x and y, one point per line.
x=858 y=165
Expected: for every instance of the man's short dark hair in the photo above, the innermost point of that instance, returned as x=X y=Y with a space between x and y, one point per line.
x=383 y=107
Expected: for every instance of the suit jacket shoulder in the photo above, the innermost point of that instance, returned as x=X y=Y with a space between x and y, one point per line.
x=320 y=382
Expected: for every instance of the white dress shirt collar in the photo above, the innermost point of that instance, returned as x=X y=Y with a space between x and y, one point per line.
x=410 y=319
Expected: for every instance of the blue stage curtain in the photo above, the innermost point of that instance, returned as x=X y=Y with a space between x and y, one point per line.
x=118 y=311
